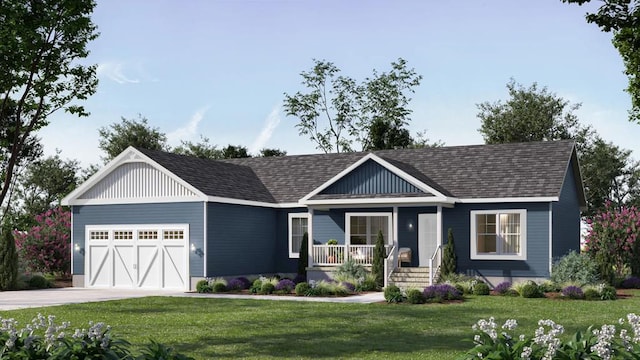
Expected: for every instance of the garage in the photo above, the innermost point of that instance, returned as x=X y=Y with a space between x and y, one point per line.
x=137 y=256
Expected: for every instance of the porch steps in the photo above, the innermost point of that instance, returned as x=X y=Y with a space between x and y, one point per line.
x=410 y=277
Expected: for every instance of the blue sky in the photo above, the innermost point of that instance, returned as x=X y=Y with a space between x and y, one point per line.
x=220 y=68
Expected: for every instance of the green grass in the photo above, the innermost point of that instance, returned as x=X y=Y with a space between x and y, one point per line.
x=256 y=329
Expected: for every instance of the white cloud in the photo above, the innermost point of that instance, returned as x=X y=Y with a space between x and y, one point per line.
x=189 y=131
x=115 y=72
x=271 y=122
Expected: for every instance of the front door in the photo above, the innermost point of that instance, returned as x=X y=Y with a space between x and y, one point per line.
x=427 y=237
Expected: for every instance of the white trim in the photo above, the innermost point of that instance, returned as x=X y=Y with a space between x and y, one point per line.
x=431 y=200
x=410 y=179
x=550 y=238
x=508 y=200
x=226 y=200
x=523 y=235
x=347 y=225
x=129 y=155
x=138 y=200
x=394 y=220
x=73 y=246
x=300 y=215
x=204 y=239
x=439 y=224
x=310 y=236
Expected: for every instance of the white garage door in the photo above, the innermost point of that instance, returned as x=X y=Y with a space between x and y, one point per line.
x=137 y=256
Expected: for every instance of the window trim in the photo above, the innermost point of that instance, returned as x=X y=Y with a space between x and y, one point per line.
x=523 y=235
x=295 y=254
x=347 y=220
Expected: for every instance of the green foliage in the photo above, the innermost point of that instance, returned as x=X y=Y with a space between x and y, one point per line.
x=332 y=242
x=130 y=132
x=350 y=271
x=481 y=288
x=393 y=294
x=38 y=282
x=575 y=268
x=202 y=149
x=256 y=286
x=368 y=283
x=454 y=278
x=379 y=254
x=235 y=152
x=202 y=286
x=415 y=296
x=266 y=152
x=158 y=351
x=551 y=286
x=591 y=294
x=218 y=286
x=43 y=47
x=530 y=290
x=8 y=260
x=267 y=288
x=608 y=293
x=302 y=289
x=352 y=110
x=449 y=258
x=303 y=259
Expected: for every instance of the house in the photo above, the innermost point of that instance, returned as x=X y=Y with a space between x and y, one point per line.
x=152 y=219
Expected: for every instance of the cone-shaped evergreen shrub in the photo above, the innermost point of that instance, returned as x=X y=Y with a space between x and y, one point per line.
x=8 y=260
x=379 y=253
x=303 y=260
x=449 y=258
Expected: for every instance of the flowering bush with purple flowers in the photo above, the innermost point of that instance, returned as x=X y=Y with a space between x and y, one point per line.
x=573 y=292
x=236 y=285
x=632 y=282
x=502 y=288
x=285 y=286
x=441 y=292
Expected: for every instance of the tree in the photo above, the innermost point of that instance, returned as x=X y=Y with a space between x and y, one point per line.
x=8 y=260
x=115 y=138
x=622 y=18
x=350 y=109
x=235 y=152
x=386 y=135
x=41 y=45
x=43 y=186
x=449 y=257
x=530 y=114
x=303 y=258
x=46 y=247
x=202 y=149
x=266 y=152
x=379 y=254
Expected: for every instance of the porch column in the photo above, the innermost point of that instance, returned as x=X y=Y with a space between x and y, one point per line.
x=395 y=226
x=310 y=239
x=439 y=224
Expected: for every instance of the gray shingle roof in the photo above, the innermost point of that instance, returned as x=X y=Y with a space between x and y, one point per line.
x=535 y=169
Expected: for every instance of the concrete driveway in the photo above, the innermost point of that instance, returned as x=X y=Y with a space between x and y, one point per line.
x=12 y=300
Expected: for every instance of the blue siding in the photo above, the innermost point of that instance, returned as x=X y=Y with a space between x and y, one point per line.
x=241 y=240
x=371 y=178
x=408 y=235
x=284 y=264
x=330 y=224
x=537 y=263
x=566 y=218
x=160 y=213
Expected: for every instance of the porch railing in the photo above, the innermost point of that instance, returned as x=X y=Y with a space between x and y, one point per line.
x=434 y=263
x=334 y=255
x=390 y=264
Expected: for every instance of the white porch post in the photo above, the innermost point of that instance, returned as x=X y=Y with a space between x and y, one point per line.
x=395 y=226
x=439 y=232
x=310 y=240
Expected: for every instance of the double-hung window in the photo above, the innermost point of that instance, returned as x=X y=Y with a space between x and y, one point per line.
x=298 y=225
x=363 y=228
x=499 y=235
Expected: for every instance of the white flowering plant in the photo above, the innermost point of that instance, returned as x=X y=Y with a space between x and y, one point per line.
x=604 y=343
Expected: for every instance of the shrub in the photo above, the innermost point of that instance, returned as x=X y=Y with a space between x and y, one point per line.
x=531 y=290
x=608 y=293
x=573 y=292
x=502 y=288
x=218 y=285
x=350 y=271
x=8 y=260
x=267 y=288
x=591 y=294
x=285 y=286
x=303 y=259
x=379 y=254
x=449 y=259
x=332 y=242
x=550 y=286
x=156 y=351
x=454 y=278
x=203 y=286
x=575 y=268
x=441 y=292
x=393 y=294
x=236 y=284
x=632 y=282
x=256 y=286
x=481 y=288
x=368 y=284
x=415 y=296
x=46 y=247
x=302 y=289
x=38 y=282
x=349 y=286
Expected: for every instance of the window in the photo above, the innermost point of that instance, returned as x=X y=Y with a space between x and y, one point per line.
x=147 y=234
x=298 y=225
x=362 y=228
x=498 y=235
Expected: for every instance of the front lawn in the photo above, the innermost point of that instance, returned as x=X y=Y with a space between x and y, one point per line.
x=258 y=329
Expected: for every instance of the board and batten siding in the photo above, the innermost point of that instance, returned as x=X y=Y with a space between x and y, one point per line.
x=153 y=213
x=137 y=180
x=371 y=178
x=241 y=240
x=537 y=263
x=566 y=218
